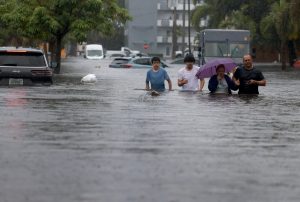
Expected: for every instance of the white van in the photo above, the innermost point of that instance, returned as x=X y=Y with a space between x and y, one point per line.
x=93 y=51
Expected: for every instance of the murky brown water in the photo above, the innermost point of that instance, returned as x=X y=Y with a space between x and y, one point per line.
x=110 y=141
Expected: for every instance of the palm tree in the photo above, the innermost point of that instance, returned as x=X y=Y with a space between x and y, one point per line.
x=212 y=9
x=278 y=20
x=294 y=7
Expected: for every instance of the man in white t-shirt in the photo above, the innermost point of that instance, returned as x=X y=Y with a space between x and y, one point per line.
x=187 y=75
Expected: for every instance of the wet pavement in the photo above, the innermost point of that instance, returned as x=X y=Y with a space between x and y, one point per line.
x=111 y=141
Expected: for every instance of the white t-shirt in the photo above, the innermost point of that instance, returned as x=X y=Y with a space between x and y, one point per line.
x=222 y=87
x=190 y=75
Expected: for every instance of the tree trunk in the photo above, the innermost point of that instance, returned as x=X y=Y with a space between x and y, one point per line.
x=52 y=50
x=292 y=52
x=57 y=53
x=283 y=53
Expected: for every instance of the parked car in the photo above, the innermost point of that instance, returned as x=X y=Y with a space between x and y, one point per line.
x=24 y=66
x=181 y=61
x=117 y=55
x=93 y=52
x=136 y=62
x=297 y=63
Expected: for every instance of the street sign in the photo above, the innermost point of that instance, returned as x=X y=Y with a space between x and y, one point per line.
x=146 y=46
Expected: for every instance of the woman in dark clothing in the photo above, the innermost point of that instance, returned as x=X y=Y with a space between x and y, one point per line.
x=221 y=83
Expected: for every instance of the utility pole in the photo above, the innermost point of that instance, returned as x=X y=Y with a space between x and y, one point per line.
x=183 y=27
x=174 y=33
x=189 y=15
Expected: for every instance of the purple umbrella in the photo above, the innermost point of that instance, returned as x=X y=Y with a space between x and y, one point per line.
x=209 y=68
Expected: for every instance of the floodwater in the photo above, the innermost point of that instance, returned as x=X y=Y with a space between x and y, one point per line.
x=112 y=142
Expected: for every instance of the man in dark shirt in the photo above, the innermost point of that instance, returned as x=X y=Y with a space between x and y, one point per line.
x=248 y=78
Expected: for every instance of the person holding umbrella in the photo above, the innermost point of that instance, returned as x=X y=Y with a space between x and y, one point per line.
x=248 y=78
x=220 y=83
x=215 y=69
x=187 y=75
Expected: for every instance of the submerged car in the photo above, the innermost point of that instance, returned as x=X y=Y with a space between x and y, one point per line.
x=136 y=62
x=181 y=61
x=296 y=63
x=24 y=66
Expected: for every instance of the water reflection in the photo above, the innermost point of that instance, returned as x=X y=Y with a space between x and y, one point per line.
x=111 y=142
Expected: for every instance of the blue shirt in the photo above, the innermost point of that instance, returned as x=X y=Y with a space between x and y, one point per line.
x=157 y=79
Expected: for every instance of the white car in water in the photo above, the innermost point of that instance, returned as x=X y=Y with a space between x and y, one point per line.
x=93 y=52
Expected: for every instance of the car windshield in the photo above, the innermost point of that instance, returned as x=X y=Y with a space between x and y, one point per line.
x=120 y=61
x=223 y=49
x=18 y=58
x=142 y=61
x=94 y=53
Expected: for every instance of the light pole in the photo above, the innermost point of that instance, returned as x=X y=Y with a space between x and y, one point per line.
x=183 y=25
x=189 y=28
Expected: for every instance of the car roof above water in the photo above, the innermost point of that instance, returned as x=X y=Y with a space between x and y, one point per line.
x=20 y=49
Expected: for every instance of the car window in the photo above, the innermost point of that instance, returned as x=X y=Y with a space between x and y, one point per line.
x=94 y=52
x=142 y=61
x=28 y=59
x=120 y=61
x=117 y=55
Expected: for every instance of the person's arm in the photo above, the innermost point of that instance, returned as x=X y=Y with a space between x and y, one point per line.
x=170 y=84
x=259 y=80
x=259 y=83
x=202 y=82
x=147 y=86
x=262 y=82
x=147 y=81
x=212 y=84
x=235 y=78
x=181 y=82
x=231 y=84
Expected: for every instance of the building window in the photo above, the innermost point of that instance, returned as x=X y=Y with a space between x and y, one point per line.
x=168 y=50
x=168 y=33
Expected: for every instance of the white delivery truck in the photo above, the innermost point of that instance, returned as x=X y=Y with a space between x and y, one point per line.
x=93 y=51
x=220 y=43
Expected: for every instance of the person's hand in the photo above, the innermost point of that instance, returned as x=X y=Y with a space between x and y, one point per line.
x=237 y=82
x=252 y=82
x=184 y=81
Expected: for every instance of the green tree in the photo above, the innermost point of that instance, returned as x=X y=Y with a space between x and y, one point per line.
x=52 y=20
x=276 y=26
x=216 y=10
x=295 y=35
x=294 y=7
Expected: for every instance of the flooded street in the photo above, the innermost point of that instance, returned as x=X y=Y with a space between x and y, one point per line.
x=112 y=142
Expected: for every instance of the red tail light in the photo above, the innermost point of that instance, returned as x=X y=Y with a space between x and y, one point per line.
x=127 y=66
x=41 y=72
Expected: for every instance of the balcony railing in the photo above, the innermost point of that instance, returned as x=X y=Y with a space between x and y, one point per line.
x=179 y=6
x=165 y=23
x=168 y=39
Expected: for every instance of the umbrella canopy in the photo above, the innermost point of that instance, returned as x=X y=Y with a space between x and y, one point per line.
x=209 y=68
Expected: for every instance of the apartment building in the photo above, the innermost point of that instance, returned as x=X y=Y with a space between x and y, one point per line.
x=158 y=25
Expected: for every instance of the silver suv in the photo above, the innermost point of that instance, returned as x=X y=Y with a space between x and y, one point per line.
x=24 y=66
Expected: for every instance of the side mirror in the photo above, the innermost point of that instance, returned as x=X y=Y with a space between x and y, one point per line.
x=53 y=65
x=164 y=65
